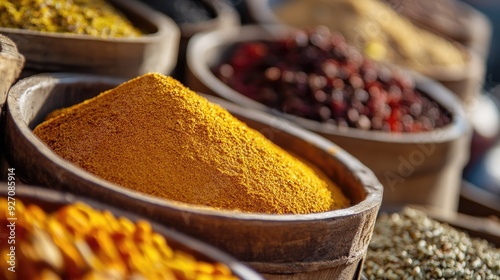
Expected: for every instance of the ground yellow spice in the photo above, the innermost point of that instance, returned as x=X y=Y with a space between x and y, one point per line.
x=89 y=17
x=153 y=135
x=373 y=26
x=80 y=242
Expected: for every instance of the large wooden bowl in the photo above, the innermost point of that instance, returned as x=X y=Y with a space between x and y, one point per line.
x=51 y=200
x=417 y=168
x=328 y=245
x=155 y=51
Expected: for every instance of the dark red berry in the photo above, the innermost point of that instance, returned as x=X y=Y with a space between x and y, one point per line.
x=316 y=75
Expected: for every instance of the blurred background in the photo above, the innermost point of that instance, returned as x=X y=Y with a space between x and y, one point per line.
x=484 y=168
x=482 y=173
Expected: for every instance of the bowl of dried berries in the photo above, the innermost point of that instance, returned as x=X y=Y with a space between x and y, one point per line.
x=63 y=236
x=118 y=38
x=408 y=129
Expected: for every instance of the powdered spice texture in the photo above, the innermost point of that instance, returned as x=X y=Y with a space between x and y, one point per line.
x=153 y=135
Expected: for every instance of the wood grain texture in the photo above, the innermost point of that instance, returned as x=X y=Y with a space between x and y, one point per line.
x=420 y=168
x=155 y=51
x=272 y=244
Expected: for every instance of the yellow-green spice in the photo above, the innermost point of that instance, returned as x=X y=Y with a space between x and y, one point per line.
x=88 y=17
x=155 y=136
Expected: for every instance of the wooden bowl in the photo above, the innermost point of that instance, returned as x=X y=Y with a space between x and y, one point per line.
x=51 y=200
x=465 y=82
x=155 y=51
x=11 y=63
x=418 y=168
x=328 y=245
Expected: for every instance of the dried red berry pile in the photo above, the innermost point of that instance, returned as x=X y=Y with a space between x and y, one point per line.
x=316 y=75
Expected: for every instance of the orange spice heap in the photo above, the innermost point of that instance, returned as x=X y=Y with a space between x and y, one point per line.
x=80 y=242
x=153 y=135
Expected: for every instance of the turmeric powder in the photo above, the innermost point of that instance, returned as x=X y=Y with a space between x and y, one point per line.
x=80 y=242
x=153 y=135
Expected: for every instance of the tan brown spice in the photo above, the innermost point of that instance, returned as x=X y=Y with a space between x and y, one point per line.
x=155 y=136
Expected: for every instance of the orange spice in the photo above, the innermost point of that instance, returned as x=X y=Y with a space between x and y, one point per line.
x=155 y=136
x=80 y=242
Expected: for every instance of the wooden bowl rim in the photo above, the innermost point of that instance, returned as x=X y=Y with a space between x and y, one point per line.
x=372 y=187
x=199 y=247
x=200 y=43
x=165 y=26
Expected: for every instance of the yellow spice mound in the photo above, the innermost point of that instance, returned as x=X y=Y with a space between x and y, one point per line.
x=153 y=135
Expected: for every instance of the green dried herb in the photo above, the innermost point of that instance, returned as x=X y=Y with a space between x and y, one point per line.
x=410 y=245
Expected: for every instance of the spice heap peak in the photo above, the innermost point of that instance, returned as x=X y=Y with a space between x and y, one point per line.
x=153 y=135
